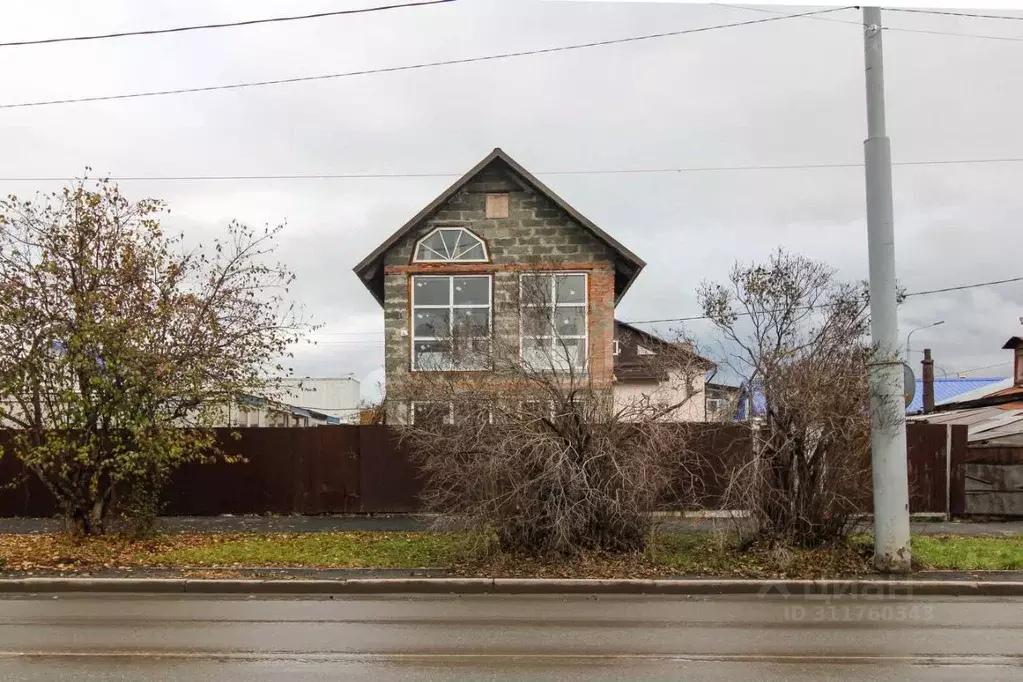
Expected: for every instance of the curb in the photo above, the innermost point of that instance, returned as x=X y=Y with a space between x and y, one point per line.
x=778 y=588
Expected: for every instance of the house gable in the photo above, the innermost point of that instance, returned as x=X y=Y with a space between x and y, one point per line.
x=536 y=228
x=540 y=225
x=524 y=228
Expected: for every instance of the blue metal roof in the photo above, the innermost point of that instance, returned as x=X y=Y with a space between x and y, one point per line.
x=944 y=390
x=947 y=389
x=759 y=402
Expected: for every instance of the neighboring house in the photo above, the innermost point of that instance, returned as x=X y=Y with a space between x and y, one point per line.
x=460 y=263
x=1006 y=395
x=721 y=401
x=247 y=411
x=988 y=425
x=253 y=411
x=657 y=372
x=1015 y=344
x=336 y=397
x=299 y=402
x=946 y=392
x=993 y=470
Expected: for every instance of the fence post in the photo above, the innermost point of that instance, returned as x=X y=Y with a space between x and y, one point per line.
x=948 y=472
x=958 y=437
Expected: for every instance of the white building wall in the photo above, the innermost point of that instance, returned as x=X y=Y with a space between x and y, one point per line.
x=665 y=393
x=335 y=396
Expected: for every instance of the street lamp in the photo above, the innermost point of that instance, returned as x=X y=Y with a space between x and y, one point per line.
x=926 y=326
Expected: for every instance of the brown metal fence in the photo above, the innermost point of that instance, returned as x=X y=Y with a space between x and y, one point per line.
x=363 y=469
x=927 y=452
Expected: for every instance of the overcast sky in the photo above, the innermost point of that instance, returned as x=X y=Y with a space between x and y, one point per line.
x=787 y=92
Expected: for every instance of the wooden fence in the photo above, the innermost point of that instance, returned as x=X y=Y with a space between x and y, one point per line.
x=993 y=481
x=363 y=469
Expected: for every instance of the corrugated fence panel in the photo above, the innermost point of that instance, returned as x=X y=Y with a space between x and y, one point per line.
x=390 y=482
x=364 y=469
x=926 y=449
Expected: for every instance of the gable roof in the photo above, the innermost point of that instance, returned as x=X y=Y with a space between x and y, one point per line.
x=1013 y=343
x=627 y=264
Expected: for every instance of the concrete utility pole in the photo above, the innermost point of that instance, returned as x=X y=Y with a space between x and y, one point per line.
x=888 y=426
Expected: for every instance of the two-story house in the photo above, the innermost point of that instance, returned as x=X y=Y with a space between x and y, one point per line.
x=460 y=266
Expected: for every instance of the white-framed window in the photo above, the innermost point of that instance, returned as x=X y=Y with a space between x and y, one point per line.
x=616 y=347
x=450 y=245
x=716 y=405
x=554 y=327
x=451 y=322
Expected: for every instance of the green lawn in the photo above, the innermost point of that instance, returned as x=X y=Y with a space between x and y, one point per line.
x=680 y=553
x=467 y=554
x=327 y=550
x=958 y=552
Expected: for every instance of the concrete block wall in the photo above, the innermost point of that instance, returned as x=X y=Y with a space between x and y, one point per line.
x=536 y=236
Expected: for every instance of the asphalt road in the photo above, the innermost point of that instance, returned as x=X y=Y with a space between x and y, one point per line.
x=501 y=637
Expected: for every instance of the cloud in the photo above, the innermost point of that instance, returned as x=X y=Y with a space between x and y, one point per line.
x=788 y=92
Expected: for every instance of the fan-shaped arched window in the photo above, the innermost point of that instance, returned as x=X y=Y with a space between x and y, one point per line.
x=451 y=244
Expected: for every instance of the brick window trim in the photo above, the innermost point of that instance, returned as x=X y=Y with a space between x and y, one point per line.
x=486 y=268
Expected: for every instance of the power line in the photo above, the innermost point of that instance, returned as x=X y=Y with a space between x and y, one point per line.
x=971 y=15
x=965 y=286
x=915 y=293
x=976 y=369
x=230 y=24
x=612 y=171
x=413 y=67
x=350 y=344
x=925 y=31
x=888 y=28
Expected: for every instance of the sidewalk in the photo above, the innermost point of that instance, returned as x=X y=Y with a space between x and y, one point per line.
x=419 y=522
x=961 y=585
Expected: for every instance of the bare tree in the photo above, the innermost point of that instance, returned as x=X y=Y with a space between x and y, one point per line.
x=799 y=341
x=113 y=337
x=533 y=447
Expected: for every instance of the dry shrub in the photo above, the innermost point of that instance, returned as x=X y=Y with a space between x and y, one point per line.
x=799 y=339
x=536 y=452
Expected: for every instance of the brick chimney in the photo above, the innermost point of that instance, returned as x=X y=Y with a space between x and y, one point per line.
x=928 y=381
x=1015 y=344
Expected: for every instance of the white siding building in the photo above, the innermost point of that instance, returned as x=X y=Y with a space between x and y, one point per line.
x=334 y=396
x=642 y=376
